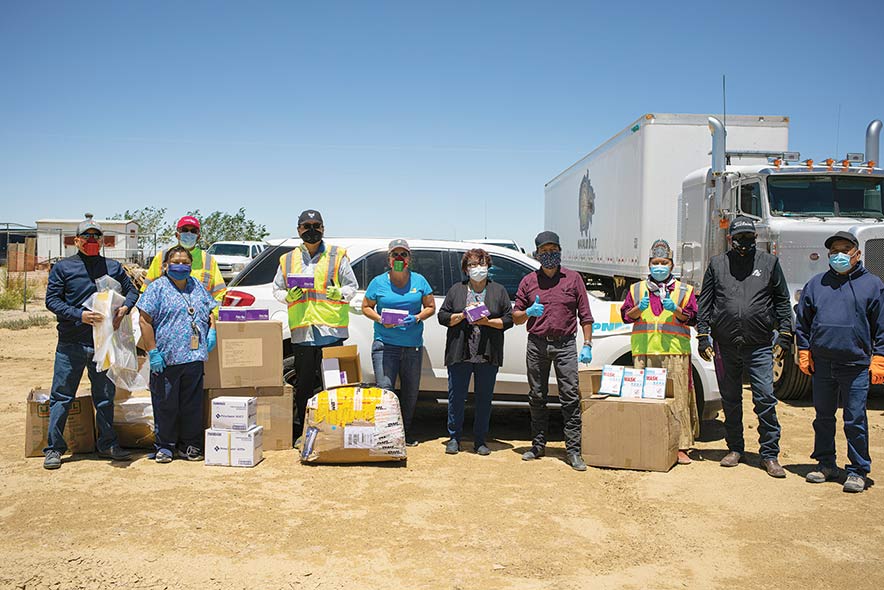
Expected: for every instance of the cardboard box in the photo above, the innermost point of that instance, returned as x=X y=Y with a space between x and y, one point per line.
x=249 y=354
x=302 y=281
x=234 y=413
x=629 y=433
x=79 y=430
x=348 y=361
x=353 y=425
x=234 y=449
x=474 y=313
x=393 y=317
x=589 y=381
x=133 y=422
x=275 y=412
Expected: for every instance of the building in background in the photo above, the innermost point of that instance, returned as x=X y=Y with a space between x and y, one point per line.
x=55 y=238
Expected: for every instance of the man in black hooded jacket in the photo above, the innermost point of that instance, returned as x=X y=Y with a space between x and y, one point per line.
x=744 y=298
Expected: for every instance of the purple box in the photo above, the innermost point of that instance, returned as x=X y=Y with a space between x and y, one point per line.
x=476 y=312
x=257 y=314
x=393 y=316
x=302 y=281
x=232 y=314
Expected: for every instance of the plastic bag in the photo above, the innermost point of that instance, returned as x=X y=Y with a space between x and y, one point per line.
x=115 y=349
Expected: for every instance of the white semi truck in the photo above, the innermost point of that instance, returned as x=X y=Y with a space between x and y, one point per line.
x=654 y=180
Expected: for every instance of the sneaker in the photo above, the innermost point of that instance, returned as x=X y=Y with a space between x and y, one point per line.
x=411 y=443
x=483 y=450
x=731 y=459
x=576 y=462
x=191 y=454
x=298 y=442
x=823 y=474
x=855 y=483
x=163 y=456
x=452 y=447
x=115 y=453
x=534 y=453
x=52 y=460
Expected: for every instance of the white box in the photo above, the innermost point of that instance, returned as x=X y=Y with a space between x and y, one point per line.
x=633 y=382
x=612 y=379
x=234 y=413
x=331 y=373
x=234 y=449
x=655 y=383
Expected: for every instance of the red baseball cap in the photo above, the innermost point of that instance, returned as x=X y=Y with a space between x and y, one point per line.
x=188 y=220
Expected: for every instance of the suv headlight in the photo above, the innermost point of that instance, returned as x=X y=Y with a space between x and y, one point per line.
x=237 y=266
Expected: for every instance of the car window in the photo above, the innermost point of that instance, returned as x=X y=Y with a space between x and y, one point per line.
x=229 y=250
x=429 y=263
x=505 y=271
x=262 y=269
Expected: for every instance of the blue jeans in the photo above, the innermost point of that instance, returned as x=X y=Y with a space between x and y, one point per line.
x=485 y=374
x=391 y=361
x=177 y=398
x=70 y=360
x=849 y=384
x=757 y=361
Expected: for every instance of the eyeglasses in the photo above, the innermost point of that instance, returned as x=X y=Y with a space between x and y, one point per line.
x=400 y=255
x=311 y=225
x=185 y=230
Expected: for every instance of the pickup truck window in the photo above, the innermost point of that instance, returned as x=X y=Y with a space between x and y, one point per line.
x=825 y=196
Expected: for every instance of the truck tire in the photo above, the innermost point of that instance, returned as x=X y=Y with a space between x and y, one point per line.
x=699 y=394
x=789 y=382
x=288 y=370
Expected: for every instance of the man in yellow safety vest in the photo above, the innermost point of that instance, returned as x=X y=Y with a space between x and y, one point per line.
x=316 y=282
x=204 y=269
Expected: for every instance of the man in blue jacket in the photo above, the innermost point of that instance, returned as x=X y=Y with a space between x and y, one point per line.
x=71 y=283
x=840 y=337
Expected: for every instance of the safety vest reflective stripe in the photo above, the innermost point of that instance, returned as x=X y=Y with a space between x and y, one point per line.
x=663 y=334
x=314 y=308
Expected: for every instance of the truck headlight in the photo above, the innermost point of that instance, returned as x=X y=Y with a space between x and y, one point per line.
x=237 y=266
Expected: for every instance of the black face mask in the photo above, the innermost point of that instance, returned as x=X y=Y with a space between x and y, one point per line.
x=744 y=246
x=312 y=236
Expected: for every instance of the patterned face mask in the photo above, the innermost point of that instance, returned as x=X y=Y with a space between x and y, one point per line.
x=550 y=259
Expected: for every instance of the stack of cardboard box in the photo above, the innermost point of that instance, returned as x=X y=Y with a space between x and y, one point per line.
x=234 y=439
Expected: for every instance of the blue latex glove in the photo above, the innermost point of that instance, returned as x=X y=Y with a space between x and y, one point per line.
x=409 y=320
x=157 y=364
x=536 y=309
x=294 y=294
x=644 y=303
x=212 y=339
x=669 y=304
x=585 y=354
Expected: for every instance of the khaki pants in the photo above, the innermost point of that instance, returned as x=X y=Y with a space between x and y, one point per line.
x=678 y=370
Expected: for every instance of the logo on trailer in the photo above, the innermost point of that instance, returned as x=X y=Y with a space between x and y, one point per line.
x=587 y=205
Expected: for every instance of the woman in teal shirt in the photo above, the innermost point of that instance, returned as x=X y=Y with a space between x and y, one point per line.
x=396 y=350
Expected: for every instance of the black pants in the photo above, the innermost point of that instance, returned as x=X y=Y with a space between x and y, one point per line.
x=177 y=399
x=562 y=356
x=308 y=379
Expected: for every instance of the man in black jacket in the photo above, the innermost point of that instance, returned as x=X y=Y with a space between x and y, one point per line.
x=743 y=299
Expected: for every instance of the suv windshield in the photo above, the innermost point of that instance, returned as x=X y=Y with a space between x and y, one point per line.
x=229 y=250
x=825 y=196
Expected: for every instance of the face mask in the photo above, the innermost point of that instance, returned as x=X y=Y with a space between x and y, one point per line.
x=187 y=240
x=312 y=236
x=91 y=248
x=549 y=259
x=840 y=262
x=178 y=272
x=744 y=246
x=478 y=273
x=399 y=265
x=660 y=272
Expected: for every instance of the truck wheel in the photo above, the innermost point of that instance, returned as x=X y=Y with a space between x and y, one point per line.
x=698 y=393
x=288 y=370
x=789 y=381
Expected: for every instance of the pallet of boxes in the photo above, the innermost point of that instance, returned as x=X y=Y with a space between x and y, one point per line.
x=351 y=422
x=628 y=417
x=248 y=406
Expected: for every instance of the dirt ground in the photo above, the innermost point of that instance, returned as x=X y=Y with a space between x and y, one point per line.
x=453 y=522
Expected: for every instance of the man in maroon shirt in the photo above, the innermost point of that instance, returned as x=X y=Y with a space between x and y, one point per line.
x=551 y=300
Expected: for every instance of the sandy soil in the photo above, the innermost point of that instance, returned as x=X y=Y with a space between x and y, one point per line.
x=440 y=522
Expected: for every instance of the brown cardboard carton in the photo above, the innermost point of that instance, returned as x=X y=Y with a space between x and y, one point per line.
x=249 y=354
x=133 y=422
x=275 y=412
x=79 y=430
x=636 y=434
x=353 y=425
x=590 y=380
x=348 y=360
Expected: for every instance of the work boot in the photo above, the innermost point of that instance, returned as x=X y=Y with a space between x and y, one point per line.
x=855 y=484
x=115 y=453
x=576 y=462
x=52 y=460
x=823 y=474
x=731 y=459
x=534 y=453
x=452 y=447
x=773 y=468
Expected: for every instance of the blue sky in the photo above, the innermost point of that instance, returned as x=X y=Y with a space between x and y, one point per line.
x=392 y=118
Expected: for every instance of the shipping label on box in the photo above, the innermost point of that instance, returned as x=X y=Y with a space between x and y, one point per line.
x=234 y=413
x=612 y=379
x=249 y=354
x=301 y=281
x=275 y=412
x=79 y=430
x=655 y=383
x=476 y=312
x=234 y=449
x=633 y=382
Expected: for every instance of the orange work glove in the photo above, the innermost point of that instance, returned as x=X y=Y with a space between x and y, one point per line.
x=805 y=362
x=877 y=370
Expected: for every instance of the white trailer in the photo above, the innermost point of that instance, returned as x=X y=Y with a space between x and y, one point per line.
x=612 y=204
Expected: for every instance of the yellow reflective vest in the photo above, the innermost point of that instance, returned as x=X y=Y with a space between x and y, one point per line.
x=314 y=308
x=204 y=269
x=661 y=334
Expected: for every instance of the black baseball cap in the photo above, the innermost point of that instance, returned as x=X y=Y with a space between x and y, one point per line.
x=309 y=215
x=841 y=235
x=742 y=225
x=547 y=237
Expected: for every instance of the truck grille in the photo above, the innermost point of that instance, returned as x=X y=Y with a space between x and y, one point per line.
x=873 y=254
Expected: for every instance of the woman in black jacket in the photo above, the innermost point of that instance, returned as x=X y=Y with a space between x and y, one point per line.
x=476 y=312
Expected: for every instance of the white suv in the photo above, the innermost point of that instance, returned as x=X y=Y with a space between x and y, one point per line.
x=232 y=257
x=439 y=261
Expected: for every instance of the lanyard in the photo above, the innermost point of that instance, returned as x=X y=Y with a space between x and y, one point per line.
x=194 y=330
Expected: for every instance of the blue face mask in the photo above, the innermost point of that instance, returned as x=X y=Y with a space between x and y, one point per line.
x=660 y=272
x=188 y=240
x=840 y=262
x=178 y=272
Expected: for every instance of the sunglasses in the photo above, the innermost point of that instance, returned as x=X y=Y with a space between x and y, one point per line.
x=90 y=236
x=184 y=230
x=399 y=255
